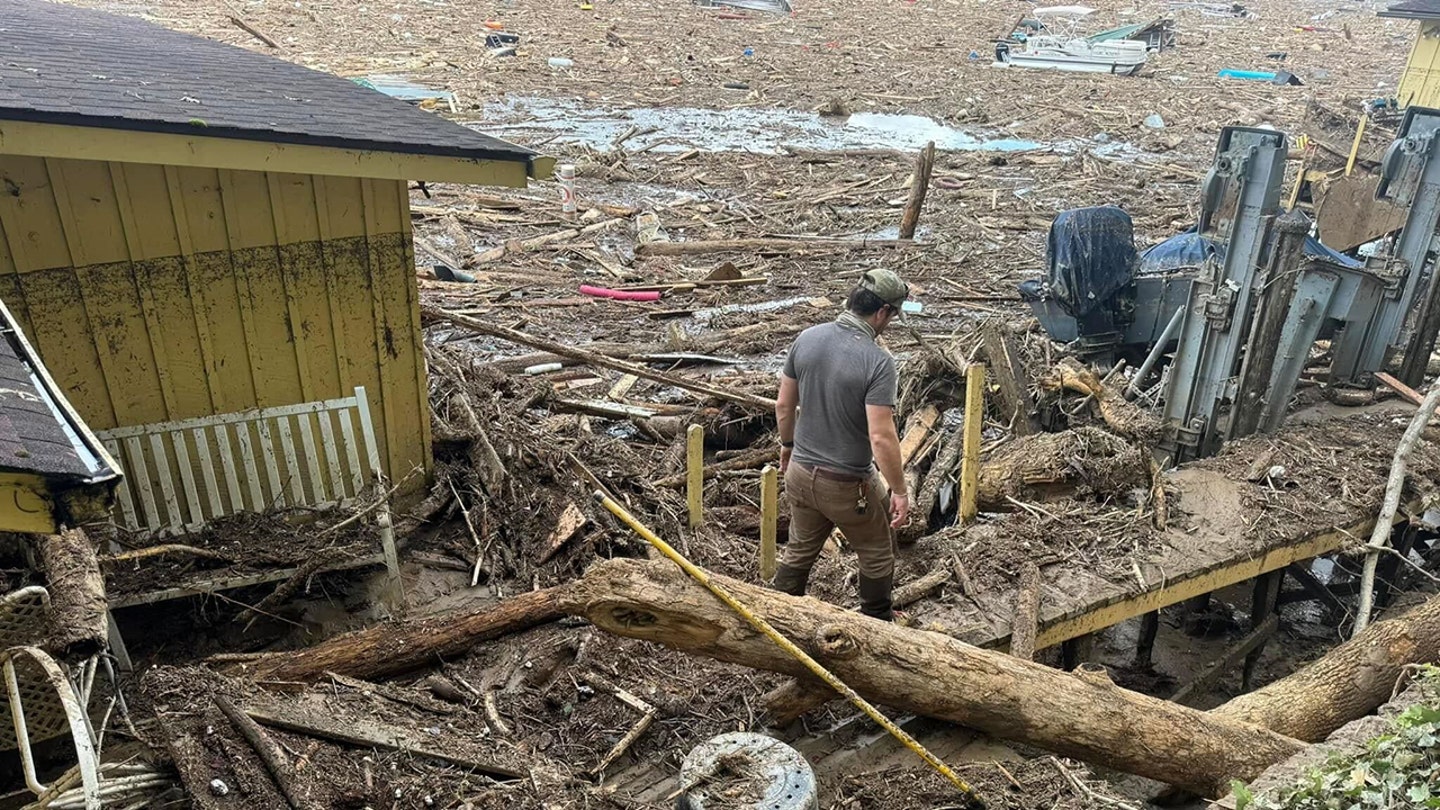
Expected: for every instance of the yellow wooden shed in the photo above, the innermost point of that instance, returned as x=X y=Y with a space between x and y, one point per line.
x=1420 y=82
x=212 y=250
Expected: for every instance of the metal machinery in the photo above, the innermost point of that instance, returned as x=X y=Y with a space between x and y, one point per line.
x=1410 y=177
x=1238 y=202
x=1245 y=313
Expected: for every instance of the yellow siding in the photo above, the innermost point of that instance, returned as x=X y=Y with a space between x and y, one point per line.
x=158 y=293
x=1420 y=83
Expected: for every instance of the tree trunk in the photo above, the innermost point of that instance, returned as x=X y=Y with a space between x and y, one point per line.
x=765 y=246
x=390 y=649
x=910 y=217
x=600 y=360
x=1080 y=715
x=1348 y=682
x=77 y=595
x=1051 y=466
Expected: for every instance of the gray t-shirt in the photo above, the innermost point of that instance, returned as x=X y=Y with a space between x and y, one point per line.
x=840 y=370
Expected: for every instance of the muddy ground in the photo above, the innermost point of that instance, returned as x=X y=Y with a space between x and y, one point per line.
x=709 y=120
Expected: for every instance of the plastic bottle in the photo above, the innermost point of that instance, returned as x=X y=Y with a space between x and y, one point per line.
x=560 y=62
x=566 y=173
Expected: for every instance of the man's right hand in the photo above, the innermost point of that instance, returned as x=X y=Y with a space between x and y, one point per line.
x=785 y=459
x=899 y=510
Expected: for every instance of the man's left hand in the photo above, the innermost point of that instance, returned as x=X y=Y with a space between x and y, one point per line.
x=785 y=459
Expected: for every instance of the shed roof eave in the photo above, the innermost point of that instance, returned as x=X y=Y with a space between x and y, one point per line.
x=203 y=149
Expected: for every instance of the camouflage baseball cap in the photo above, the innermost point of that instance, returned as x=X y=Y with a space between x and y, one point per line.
x=886 y=285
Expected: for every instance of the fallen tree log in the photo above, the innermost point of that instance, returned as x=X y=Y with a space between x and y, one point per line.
x=771 y=245
x=390 y=649
x=1050 y=466
x=77 y=615
x=1081 y=715
x=1348 y=682
x=749 y=460
x=642 y=371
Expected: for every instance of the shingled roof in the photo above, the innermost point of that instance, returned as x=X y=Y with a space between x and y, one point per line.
x=1414 y=10
x=66 y=65
x=36 y=433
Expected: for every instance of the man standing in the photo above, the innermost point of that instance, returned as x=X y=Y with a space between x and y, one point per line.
x=844 y=386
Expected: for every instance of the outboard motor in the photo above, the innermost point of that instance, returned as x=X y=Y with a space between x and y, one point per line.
x=1088 y=294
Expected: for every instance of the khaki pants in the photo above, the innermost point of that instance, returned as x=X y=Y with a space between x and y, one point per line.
x=819 y=504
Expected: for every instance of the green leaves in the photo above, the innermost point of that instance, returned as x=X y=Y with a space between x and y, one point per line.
x=1395 y=771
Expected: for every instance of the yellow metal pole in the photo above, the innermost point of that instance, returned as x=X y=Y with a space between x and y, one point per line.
x=698 y=574
x=1355 y=147
x=769 y=519
x=974 y=420
x=695 y=474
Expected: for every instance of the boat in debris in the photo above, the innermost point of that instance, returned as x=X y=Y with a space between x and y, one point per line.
x=1067 y=50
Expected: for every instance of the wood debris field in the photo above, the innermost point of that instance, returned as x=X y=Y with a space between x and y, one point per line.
x=748 y=167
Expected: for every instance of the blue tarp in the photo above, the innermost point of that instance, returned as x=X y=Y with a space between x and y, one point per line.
x=1190 y=249
x=1091 y=256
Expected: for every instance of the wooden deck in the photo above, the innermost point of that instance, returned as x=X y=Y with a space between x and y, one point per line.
x=1188 y=563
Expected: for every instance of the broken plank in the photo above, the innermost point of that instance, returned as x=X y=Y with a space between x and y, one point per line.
x=1027 y=613
x=917 y=430
x=370 y=734
x=622 y=387
x=1406 y=393
x=571 y=521
x=392 y=693
x=602 y=409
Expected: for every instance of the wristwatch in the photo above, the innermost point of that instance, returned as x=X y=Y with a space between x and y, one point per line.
x=787 y=445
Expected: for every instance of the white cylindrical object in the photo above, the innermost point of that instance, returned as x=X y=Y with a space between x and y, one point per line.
x=566 y=173
x=543 y=368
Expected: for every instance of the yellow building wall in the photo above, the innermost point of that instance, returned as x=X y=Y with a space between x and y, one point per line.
x=1420 y=83
x=160 y=292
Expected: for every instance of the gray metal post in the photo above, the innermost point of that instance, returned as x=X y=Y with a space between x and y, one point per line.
x=1410 y=177
x=1239 y=198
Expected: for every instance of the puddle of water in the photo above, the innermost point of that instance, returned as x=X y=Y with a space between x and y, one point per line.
x=893 y=232
x=679 y=129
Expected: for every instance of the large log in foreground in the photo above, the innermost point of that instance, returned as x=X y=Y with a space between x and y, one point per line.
x=1349 y=682
x=390 y=649
x=1080 y=715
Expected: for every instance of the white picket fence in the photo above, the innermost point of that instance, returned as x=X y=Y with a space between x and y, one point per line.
x=181 y=475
